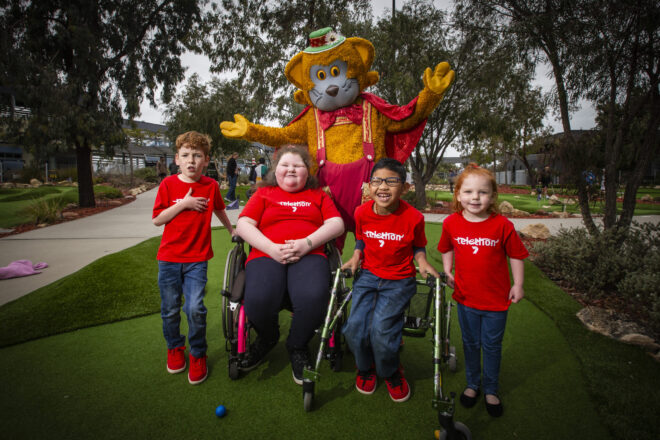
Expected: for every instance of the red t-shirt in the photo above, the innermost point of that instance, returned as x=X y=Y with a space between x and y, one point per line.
x=389 y=239
x=187 y=237
x=480 y=258
x=281 y=215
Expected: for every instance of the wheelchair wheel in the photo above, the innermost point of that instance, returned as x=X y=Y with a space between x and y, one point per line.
x=462 y=433
x=233 y=369
x=452 y=359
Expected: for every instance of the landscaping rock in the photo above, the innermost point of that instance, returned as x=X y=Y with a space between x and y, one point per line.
x=8 y=185
x=606 y=322
x=560 y=214
x=440 y=204
x=115 y=203
x=570 y=202
x=519 y=213
x=554 y=200
x=536 y=230
x=35 y=183
x=69 y=215
x=646 y=198
x=506 y=208
x=642 y=340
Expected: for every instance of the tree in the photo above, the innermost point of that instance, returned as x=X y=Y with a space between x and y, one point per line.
x=200 y=106
x=79 y=65
x=418 y=37
x=254 y=40
x=604 y=51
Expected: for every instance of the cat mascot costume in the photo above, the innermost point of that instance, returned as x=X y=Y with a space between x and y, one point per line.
x=346 y=129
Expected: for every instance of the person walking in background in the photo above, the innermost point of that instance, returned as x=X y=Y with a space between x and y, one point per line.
x=545 y=179
x=232 y=177
x=161 y=169
x=174 y=169
x=478 y=240
x=262 y=169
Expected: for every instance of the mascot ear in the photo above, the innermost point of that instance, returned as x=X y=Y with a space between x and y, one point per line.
x=365 y=49
x=372 y=78
x=294 y=71
x=299 y=97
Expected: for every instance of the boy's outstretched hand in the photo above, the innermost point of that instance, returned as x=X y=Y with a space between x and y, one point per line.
x=353 y=264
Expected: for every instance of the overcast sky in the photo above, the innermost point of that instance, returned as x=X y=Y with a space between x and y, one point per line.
x=199 y=64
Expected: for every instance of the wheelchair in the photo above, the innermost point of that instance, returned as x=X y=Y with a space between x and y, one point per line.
x=236 y=326
x=430 y=309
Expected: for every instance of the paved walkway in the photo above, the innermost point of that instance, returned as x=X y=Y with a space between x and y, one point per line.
x=69 y=246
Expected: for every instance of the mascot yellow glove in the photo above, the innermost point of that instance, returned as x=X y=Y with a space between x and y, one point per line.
x=235 y=130
x=440 y=79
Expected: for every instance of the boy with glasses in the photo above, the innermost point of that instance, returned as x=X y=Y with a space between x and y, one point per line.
x=389 y=235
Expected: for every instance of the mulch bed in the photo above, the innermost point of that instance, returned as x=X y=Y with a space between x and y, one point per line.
x=101 y=205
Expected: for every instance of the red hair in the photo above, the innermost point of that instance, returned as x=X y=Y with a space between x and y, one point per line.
x=475 y=170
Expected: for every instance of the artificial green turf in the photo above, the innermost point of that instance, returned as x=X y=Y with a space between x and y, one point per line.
x=557 y=381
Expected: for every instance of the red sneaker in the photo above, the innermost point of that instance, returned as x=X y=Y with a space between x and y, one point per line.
x=365 y=381
x=397 y=385
x=176 y=360
x=197 y=372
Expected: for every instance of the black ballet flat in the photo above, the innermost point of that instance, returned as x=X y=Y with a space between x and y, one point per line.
x=494 y=410
x=467 y=401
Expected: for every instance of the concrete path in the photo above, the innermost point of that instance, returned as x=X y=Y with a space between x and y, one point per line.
x=68 y=247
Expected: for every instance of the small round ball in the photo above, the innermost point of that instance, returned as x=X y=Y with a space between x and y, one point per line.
x=220 y=411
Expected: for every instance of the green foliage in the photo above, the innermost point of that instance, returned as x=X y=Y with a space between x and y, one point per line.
x=45 y=210
x=107 y=192
x=615 y=262
x=147 y=173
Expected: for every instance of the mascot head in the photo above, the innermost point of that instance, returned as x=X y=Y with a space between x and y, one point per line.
x=332 y=71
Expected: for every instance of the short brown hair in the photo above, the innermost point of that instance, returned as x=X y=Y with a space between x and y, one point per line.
x=470 y=170
x=194 y=140
x=300 y=150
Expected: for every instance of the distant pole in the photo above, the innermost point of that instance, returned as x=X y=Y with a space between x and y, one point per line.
x=393 y=8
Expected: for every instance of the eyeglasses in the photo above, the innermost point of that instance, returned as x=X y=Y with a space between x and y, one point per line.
x=390 y=181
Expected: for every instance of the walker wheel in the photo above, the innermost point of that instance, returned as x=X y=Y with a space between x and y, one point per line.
x=462 y=431
x=308 y=400
x=452 y=359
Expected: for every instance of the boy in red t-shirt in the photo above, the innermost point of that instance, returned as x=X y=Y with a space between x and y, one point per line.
x=389 y=233
x=184 y=204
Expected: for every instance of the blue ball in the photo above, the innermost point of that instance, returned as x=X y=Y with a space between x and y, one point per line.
x=220 y=411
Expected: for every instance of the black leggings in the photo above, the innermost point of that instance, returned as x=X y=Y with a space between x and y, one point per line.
x=308 y=285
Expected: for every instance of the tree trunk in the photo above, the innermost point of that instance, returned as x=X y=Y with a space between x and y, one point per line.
x=420 y=190
x=583 y=200
x=85 y=182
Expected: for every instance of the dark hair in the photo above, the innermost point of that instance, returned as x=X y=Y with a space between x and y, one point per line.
x=262 y=160
x=270 y=180
x=392 y=165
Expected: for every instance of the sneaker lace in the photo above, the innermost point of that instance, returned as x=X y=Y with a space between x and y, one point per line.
x=395 y=380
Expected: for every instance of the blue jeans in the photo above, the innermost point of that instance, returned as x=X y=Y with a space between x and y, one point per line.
x=231 y=194
x=482 y=333
x=188 y=280
x=374 y=326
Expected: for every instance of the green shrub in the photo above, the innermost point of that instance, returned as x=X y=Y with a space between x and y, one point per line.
x=148 y=174
x=45 y=211
x=616 y=262
x=67 y=174
x=107 y=192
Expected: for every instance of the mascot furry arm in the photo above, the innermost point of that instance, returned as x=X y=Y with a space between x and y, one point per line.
x=346 y=130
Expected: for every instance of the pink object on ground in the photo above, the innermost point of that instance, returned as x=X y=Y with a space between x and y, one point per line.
x=21 y=268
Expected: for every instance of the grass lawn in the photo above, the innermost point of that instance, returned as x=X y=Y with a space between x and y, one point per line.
x=108 y=379
x=14 y=201
x=527 y=202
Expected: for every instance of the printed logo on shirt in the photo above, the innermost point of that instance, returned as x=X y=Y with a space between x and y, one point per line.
x=295 y=205
x=382 y=236
x=476 y=242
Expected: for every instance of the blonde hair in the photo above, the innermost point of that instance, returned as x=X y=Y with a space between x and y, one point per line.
x=194 y=140
x=475 y=170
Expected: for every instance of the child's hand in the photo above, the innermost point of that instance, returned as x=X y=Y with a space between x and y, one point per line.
x=282 y=253
x=353 y=264
x=298 y=248
x=234 y=232
x=426 y=269
x=516 y=293
x=450 y=279
x=194 y=203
